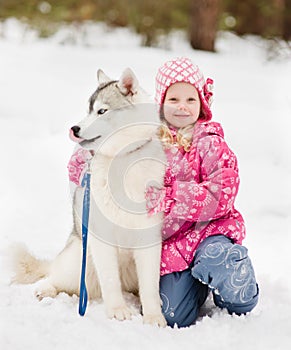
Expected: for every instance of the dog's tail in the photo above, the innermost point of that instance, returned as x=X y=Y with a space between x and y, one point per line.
x=25 y=267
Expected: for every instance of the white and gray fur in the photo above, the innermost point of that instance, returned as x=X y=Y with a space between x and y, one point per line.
x=124 y=242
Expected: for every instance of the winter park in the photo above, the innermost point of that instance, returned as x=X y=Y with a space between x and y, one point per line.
x=45 y=83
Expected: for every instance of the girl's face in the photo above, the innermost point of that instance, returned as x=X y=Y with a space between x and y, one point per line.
x=181 y=105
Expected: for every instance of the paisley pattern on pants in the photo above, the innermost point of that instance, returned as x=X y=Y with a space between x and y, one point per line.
x=227 y=270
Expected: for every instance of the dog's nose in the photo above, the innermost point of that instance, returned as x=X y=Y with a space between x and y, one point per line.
x=75 y=130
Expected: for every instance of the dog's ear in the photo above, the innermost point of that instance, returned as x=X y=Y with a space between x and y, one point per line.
x=128 y=83
x=102 y=77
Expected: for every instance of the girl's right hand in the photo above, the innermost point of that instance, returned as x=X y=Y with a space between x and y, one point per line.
x=158 y=199
x=78 y=165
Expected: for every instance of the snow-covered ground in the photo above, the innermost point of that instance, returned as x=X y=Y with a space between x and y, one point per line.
x=44 y=88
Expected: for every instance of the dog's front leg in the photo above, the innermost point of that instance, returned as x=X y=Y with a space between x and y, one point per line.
x=148 y=271
x=105 y=260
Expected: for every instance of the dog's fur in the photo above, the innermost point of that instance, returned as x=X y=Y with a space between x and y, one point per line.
x=124 y=243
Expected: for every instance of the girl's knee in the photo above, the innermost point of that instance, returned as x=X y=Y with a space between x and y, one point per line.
x=181 y=297
x=227 y=269
x=180 y=316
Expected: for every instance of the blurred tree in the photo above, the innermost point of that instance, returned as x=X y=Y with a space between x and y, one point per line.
x=287 y=21
x=204 y=18
x=261 y=17
x=150 y=18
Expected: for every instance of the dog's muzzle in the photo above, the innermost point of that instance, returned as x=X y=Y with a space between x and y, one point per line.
x=74 y=134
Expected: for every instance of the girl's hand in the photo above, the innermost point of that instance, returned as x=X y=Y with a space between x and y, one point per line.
x=158 y=199
x=78 y=165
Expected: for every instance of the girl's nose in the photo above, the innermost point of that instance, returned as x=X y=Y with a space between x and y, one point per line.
x=182 y=107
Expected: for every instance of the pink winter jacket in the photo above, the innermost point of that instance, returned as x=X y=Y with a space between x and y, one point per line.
x=204 y=185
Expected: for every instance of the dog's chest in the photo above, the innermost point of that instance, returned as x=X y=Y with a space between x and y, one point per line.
x=126 y=176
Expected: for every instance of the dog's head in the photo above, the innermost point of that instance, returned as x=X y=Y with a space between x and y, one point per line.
x=110 y=95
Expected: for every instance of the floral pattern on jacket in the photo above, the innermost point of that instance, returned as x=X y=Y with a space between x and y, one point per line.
x=204 y=183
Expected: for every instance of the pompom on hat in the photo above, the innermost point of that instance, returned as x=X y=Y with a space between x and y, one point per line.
x=183 y=70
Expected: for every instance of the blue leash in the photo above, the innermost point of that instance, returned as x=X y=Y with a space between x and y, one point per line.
x=85 y=221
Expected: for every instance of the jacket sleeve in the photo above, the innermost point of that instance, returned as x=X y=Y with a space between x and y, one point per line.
x=214 y=196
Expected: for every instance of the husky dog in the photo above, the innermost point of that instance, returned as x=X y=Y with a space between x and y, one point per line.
x=124 y=243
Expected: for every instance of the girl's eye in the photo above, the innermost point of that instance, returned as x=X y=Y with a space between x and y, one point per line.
x=172 y=99
x=191 y=99
x=102 y=111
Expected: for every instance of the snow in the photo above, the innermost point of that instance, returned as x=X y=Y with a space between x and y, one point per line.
x=45 y=85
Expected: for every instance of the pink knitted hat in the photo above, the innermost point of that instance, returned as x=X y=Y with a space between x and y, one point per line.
x=183 y=70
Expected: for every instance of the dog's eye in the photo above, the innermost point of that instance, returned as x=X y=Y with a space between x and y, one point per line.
x=102 y=111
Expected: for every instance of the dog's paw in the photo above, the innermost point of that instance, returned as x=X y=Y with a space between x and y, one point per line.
x=45 y=290
x=121 y=313
x=157 y=319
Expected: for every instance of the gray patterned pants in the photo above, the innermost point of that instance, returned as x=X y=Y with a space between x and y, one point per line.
x=218 y=266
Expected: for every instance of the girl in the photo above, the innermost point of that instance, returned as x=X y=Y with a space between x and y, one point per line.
x=202 y=231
